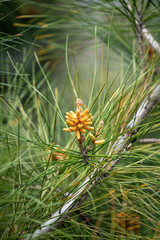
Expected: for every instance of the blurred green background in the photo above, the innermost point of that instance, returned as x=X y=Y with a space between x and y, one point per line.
x=44 y=25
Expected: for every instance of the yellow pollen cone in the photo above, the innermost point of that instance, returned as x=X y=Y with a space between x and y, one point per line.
x=66 y=130
x=70 y=123
x=89 y=119
x=71 y=115
x=80 y=125
x=79 y=121
x=85 y=112
x=78 y=135
x=75 y=120
x=99 y=142
x=78 y=114
x=73 y=128
x=71 y=112
x=87 y=123
x=92 y=137
x=89 y=128
x=84 y=118
x=82 y=130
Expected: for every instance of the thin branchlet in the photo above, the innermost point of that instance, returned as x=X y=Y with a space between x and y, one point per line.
x=122 y=144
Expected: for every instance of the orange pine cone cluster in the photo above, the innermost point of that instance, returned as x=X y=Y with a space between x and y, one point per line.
x=79 y=121
x=128 y=221
x=58 y=155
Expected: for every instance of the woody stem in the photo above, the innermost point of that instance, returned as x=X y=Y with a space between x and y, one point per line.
x=83 y=150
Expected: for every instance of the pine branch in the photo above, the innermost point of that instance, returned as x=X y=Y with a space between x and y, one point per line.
x=142 y=32
x=122 y=144
x=150 y=140
x=150 y=39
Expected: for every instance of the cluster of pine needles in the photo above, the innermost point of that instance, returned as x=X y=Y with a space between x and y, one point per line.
x=43 y=167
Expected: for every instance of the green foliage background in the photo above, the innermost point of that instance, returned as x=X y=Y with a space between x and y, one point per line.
x=51 y=53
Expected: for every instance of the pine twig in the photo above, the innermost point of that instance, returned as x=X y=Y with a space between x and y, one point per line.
x=83 y=151
x=142 y=32
x=150 y=39
x=139 y=31
x=122 y=144
x=150 y=140
x=138 y=18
